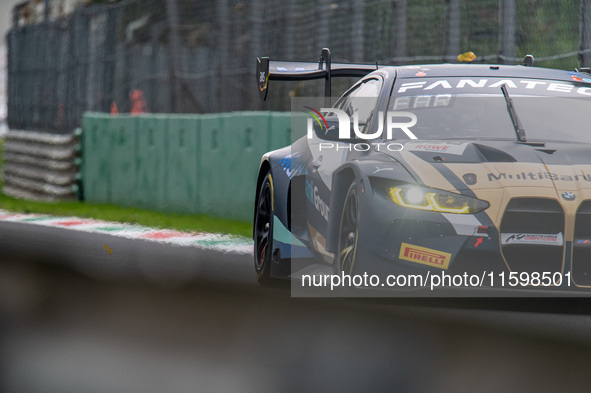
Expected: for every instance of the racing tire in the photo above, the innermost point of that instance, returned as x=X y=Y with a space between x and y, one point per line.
x=348 y=234
x=263 y=233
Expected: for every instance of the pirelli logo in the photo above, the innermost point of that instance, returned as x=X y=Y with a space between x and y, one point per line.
x=425 y=256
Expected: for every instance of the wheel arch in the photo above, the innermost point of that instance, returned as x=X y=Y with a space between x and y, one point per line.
x=342 y=180
x=263 y=169
x=281 y=186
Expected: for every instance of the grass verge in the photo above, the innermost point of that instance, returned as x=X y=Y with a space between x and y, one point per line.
x=182 y=222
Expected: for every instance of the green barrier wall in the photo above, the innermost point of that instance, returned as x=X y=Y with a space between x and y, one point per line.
x=181 y=163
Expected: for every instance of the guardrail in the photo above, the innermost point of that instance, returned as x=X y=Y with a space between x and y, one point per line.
x=40 y=166
x=181 y=163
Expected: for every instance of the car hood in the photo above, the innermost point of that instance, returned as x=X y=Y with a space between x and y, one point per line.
x=477 y=165
x=500 y=171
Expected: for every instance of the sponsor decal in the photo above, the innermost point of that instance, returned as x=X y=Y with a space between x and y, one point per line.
x=263 y=81
x=293 y=165
x=483 y=243
x=531 y=85
x=309 y=190
x=440 y=147
x=569 y=196
x=532 y=238
x=313 y=196
x=537 y=176
x=378 y=169
x=583 y=242
x=470 y=179
x=422 y=101
x=425 y=256
x=579 y=77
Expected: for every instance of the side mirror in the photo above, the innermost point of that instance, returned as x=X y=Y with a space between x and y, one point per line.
x=329 y=134
x=332 y=132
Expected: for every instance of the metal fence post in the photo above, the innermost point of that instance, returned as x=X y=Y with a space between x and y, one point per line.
x=506 y=31
x=399 y=27
x=585 y=28
x=290 y=13
x=357 y=29
x=110 y=46
x=452 y=30
x=323 y=40
x=46 y=10
x=175 y=45
x=222 y=55
x=256 y=22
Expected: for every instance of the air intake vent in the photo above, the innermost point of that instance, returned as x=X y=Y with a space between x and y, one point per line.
x=581 y=266
x=532 y=235
x=490 y=154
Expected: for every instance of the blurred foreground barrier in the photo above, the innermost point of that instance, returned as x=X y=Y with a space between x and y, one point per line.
x=182 y=163
x=40 y=166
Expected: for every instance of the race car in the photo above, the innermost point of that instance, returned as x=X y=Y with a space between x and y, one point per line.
x=429 y=168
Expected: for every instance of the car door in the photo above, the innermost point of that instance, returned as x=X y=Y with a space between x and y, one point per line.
x=361 y=99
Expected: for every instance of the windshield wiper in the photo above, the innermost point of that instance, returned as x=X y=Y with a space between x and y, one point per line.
x=519 y=131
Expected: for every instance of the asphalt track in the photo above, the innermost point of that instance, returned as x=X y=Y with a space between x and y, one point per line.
x=152 y=317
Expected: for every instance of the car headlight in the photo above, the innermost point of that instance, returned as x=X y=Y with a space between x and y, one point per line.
x=417 y=197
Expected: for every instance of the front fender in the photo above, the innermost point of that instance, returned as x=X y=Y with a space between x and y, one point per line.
x=281 y=182
x=358 y=171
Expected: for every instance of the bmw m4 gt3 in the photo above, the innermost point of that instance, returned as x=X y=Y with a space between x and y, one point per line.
x=449 y=168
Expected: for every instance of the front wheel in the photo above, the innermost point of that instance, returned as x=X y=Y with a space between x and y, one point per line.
x=263 y=232
x=348 y=234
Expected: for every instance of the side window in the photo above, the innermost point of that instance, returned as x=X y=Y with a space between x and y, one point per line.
x=362 y=99
x=344 y=101
x=365 y=99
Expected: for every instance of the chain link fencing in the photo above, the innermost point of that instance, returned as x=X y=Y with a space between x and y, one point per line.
x=198 y=56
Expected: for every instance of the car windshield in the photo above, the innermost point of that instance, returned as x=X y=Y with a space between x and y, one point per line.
x=562 y=114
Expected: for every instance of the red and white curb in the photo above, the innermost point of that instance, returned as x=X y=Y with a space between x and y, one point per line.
x=213 y=241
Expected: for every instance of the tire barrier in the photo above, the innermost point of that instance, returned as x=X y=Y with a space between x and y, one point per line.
x=41 y=166
x=180 y=163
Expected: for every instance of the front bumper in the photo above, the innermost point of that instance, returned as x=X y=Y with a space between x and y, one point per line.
x=399 y=240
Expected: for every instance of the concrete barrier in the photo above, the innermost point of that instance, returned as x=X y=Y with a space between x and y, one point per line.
x=182 y=163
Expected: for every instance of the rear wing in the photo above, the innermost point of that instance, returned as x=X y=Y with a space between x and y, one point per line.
x=300 y=71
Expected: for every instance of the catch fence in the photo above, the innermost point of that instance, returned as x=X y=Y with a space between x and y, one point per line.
x=198 y=56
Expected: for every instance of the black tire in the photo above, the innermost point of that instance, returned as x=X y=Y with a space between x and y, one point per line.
x=263 y=232
x=348 y=234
